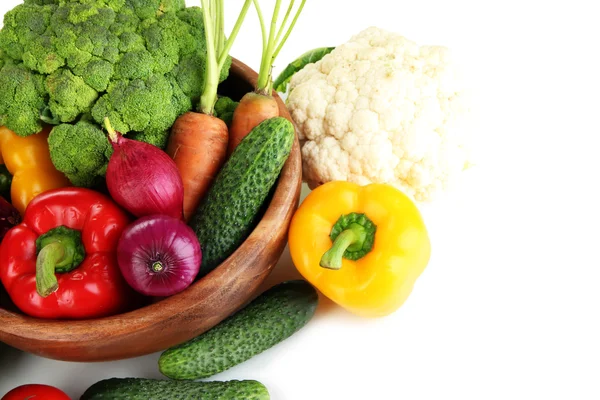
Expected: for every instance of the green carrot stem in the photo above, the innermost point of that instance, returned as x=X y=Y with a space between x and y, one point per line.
x=287 y=15
x=217 y=48
x=274 y=43
x=219 y=26
x=211 y=78
x=289 y=31
x=233 y=35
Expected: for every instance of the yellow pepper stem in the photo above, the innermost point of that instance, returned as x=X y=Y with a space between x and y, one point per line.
x=353 y=237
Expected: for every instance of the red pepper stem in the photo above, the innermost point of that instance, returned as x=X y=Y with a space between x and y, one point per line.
x=59 y=250
x=45 y=277
x=355 y=234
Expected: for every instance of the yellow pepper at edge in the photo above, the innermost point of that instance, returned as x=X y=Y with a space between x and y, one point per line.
x=28 y=161
x=379 y=227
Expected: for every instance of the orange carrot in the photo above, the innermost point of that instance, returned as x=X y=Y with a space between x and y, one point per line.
x=198 y=145
x=253 y=109
x=257 y=106
x=198 y=140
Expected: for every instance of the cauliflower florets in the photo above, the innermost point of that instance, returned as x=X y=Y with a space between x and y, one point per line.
x=380 y=108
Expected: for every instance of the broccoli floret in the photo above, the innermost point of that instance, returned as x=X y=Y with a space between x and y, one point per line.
x=158 y=139
x=150 y=8
x=20 y=111
x=224 y=108
x=81 y=151
x=70 y=96
x=97 y=73
x=171 y=5
x=24 y=25
x=138 y=105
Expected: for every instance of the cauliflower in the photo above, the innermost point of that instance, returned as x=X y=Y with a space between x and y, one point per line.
x=380 y=108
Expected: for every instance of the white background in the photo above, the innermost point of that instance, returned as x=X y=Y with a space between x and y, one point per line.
x=508 y=307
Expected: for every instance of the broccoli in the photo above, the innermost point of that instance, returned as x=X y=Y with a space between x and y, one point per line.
x=224 y=108
x=158 y=139
x=70 y=96
x=81 y=151
x=139 y=62
x=23 y=94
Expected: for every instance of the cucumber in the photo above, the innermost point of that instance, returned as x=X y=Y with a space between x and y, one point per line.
x=233 y=205
x=153 y=389
x=269 y=319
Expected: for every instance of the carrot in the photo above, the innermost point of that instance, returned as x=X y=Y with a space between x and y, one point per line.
x=198 y=140
x=253 y=109
x=199 y=149
x=257 y=106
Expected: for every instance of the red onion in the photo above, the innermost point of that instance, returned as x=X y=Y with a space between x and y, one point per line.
x=9 y=217
x=159 y=255
x=142 y=178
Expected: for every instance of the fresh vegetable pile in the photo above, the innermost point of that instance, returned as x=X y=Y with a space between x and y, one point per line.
x=113 y=81
x=125 y=175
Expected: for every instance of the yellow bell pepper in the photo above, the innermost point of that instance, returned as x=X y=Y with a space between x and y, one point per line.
x=361 y=246
x=28 y=160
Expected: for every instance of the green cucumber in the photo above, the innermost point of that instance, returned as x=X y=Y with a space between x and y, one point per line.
x=153 y=389
x=271 y=318
x=234 y=203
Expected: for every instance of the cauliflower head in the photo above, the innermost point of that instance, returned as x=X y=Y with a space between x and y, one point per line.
x=381 y=108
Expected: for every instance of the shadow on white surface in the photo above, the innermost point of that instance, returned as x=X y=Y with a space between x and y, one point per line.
x=9 y=354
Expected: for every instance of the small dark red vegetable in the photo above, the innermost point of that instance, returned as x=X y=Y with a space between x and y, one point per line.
x=9 y=217
x=142 y=178
x=159 y=255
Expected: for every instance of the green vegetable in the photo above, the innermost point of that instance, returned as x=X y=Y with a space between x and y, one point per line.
x=224 y=108
x=271 y=318
x=142 y=63
x=5 y=182
x=312 y=56
x=22 y=95
x=81 y=151
x=217 y=48
x=158 y=139
x=232 y=206
x=151 y=389
x=273 y=42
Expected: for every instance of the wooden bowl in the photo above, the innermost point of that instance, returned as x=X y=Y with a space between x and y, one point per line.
x=185 y=315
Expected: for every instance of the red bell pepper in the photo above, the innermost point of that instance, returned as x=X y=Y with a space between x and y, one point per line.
x=61 y=261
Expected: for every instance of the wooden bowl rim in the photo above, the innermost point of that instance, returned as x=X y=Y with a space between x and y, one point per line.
x=284 y=198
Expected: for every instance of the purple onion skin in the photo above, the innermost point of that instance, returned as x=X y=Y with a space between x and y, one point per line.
x=143 y=179
x=163 y=239
x=9 y=217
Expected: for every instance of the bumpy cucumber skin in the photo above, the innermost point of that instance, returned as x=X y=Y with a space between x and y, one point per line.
x=231 y=208
x=269 y=319
x=152 y=389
